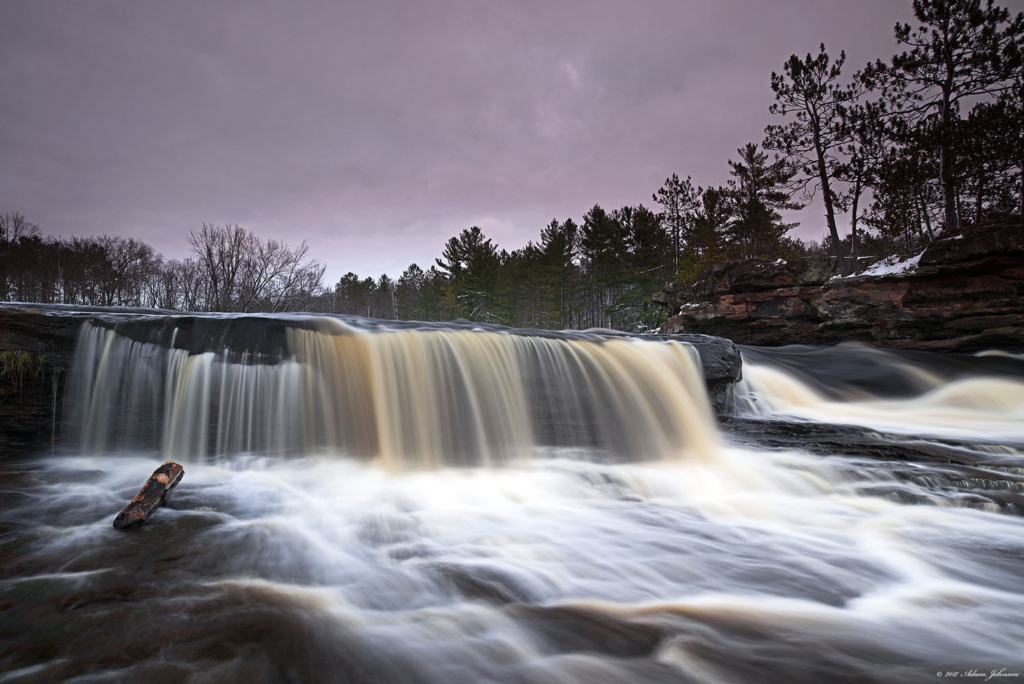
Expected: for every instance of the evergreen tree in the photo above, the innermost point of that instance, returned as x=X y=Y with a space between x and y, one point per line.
x=602 y=246
x=472 y=263
x=757 y=192
x=865 y=146
x=384 y=290
x=645 y=268
x=677 y=199
x=961 y=50
x=559 y=244
x=808 y=90
x=408 y=293
x=710 y=222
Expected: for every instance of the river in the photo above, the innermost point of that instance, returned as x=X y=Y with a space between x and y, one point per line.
x=470 y=506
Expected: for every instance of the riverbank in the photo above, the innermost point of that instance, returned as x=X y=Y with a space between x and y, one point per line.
x=961 y=294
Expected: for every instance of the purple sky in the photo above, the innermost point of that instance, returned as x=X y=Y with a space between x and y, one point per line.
x=376 y=130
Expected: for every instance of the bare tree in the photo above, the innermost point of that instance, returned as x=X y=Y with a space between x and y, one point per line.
x=241 y=272
x=129 y=263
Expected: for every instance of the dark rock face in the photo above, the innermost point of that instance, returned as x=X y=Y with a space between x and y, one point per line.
x=720 y=361
x=966 y=295
x=36 y=350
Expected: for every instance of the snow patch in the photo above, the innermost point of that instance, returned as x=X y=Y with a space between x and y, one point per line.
x=890 y=266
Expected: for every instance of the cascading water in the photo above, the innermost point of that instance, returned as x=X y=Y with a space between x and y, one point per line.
x=888 y=391
x=413 y=397
x=374 y=503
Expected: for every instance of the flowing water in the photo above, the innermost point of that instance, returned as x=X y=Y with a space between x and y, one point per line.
x=373 y=504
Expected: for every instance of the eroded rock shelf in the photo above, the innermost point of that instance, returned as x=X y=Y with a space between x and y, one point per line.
x=966 y=294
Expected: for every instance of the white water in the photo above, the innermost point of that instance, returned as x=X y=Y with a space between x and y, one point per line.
x=404 y=397
x=985 y=407
x=713 y=563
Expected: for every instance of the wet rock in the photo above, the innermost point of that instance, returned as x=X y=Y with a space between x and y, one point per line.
x=575 y=629
x=150 y=497
x=36 y=350
x=721 y=364
x=481 y=584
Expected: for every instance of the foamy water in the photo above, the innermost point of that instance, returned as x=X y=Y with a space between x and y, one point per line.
x=761 y=566
x=986 y=407
x=711 y=563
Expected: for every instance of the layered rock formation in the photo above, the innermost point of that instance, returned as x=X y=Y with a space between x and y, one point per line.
x=965 y=294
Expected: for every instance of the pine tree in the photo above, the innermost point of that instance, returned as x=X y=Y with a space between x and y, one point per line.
x=961 y=50
x=757 y=192
x=809 y=92
x=677 y=200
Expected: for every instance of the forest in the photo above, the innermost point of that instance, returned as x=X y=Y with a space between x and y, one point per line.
x=926 y=143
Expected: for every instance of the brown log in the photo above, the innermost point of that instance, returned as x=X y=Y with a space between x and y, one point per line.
x=150 y=497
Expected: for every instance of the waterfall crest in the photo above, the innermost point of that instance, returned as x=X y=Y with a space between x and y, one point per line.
x=406 y=397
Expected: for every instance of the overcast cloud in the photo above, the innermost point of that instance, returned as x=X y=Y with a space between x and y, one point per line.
x=376 y=130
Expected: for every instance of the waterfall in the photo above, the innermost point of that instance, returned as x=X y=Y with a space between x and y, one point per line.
x=405 y=397
x=858 y=518
x=886 y=391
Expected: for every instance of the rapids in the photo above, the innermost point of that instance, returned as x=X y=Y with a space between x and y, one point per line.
x=444 y=505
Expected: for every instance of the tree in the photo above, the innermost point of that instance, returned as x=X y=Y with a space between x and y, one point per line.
x=353 y=295
x=991 y=148
x=220 y=253
x=241 y=272
x=386 y=306
x=677 y=199
x=14 y=228
x=808 y=90
x=710 y=222
x=559 y=244
x=128 y=262
x=645 y=268
x=471 y=263
x=864 y=150
x=408 y=293
x=962 y=50
x=757 y=192
x=602 y=244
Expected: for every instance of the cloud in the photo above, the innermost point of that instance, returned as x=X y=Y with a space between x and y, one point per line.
x=376 y=130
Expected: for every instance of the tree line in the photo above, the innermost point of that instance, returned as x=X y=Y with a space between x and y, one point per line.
x=930 y=141
x=231 y=269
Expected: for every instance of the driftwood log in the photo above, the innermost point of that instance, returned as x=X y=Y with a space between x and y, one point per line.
x=150 y=497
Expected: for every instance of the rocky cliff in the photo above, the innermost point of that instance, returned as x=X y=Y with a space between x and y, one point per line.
x=964 y=293
x=36 y=349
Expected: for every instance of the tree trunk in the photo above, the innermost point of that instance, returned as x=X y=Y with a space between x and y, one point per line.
x=927 y=217
x=853 y=227
x=150 y=497
x=979 y=197
x=946 y=167
x=826 y=190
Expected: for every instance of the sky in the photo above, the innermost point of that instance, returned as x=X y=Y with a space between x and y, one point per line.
x=376 y=130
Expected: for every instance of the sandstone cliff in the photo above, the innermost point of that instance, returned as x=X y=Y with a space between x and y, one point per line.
x=966 y=293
